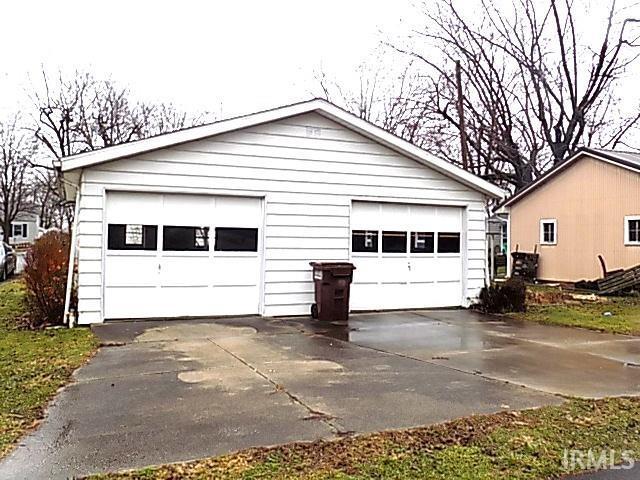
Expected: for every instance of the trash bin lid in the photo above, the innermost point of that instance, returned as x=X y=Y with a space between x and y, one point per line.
x=333 y=265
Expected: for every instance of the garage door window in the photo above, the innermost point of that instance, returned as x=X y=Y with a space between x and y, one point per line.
x=185 y=239
x=236 y=239
x=132 y=237
x=449 y=242
x=394 y=242
x=364 y=241
x=422 y=242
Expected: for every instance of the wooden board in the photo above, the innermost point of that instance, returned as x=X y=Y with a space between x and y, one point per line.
x=620 y=281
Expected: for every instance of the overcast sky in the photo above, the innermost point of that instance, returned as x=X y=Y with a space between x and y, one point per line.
x=228 y=57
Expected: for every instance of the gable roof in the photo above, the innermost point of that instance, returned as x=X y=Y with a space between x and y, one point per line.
x=320 y=106
x=628 y=160
x=25 y=215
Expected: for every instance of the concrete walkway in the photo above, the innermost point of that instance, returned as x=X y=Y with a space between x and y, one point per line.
x=179 y=390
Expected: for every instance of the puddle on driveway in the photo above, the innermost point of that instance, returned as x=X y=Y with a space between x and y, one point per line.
x=463 y=331
x=409 y=333
x=556 y=360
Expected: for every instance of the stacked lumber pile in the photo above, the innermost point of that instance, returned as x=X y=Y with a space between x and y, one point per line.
x=619 y=281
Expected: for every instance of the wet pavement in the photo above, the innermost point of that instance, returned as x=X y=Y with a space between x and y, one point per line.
x=608 y=474
x=169 y=391
x=556 y=360
x=618 y=472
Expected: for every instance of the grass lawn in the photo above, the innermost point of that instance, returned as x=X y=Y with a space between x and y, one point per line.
x=515 y=445
x=33 y=365
x=625 y=312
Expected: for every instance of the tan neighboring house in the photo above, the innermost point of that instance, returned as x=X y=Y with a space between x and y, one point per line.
x=585 y=207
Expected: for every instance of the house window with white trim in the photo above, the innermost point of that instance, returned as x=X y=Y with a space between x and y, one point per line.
x=20 y=230
x=548 y=231
x=632 y=230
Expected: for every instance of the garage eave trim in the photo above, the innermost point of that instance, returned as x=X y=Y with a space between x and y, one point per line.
x=320 y=106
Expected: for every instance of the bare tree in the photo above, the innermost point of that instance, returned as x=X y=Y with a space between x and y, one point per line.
x=81 y=113
x=46 y=199
x=16 y=149
x=392 y=101
x=533 y=92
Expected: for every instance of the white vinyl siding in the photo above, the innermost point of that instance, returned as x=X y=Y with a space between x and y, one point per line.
x=309 y=170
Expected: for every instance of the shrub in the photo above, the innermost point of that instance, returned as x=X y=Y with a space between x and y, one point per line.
x=45 y=272
x=509 y=296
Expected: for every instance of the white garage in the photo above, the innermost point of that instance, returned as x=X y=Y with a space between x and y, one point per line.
x=223 y=219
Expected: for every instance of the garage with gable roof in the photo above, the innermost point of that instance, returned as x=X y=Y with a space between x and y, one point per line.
x=223 y=219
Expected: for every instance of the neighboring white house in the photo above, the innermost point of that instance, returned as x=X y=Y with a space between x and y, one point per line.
x=223 y=219
x=24 y=229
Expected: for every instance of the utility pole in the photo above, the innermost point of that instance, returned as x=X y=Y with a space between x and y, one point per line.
x=464 y=145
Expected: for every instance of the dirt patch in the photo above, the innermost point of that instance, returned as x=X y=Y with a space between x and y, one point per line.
x=546 y=295
x=558 y=295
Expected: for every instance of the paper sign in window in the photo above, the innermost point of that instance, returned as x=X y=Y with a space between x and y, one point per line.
x=133 y=234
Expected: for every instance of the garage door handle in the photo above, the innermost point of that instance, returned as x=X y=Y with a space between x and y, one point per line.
x=409 y=265
x=159 y=268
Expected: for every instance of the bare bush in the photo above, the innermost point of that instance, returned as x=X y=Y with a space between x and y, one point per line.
x=45 y=273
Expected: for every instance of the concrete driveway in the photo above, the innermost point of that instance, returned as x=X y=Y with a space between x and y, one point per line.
x=177 y=390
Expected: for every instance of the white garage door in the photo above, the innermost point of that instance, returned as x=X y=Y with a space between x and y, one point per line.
x=406 y=256
x=173 y=255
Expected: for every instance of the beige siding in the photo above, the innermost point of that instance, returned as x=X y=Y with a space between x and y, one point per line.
x=589 y=201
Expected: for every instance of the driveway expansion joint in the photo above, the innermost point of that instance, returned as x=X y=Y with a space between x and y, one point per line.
x=314 y=414
x=474 y=373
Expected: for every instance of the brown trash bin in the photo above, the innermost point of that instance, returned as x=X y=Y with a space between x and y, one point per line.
x=332 y=284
